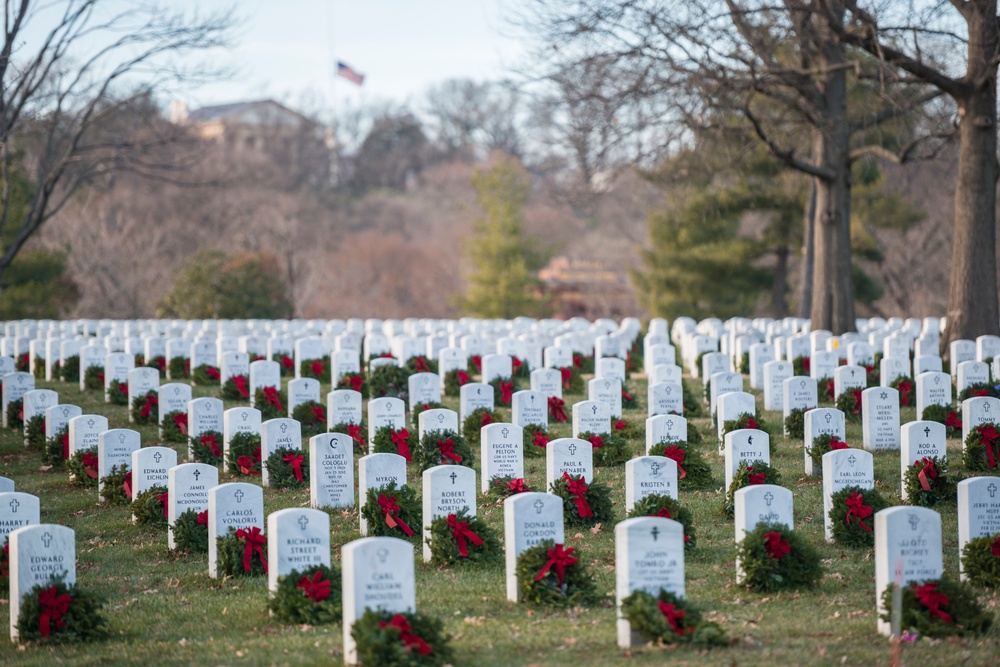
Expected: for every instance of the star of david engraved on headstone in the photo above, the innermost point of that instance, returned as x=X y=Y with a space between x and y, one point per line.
x=883 y=395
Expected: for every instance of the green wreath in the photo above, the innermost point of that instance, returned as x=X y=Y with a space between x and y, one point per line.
x=628 y=429
x=743 y=478
x=773 y=564
x=357 y=433
x=421 y=364
x=800 y=365
x=382 y=442
x=409 y=514
x=610 y=449
x=520 y=369
x=944 y=414
x=149 y=510
x=536 y=439
x=454 y=380
x=179 y=368
x=474 y=422
x=501 y=488
x=170 y=426
x=230 y=551
x=56 y=448
x=81 y=622
x=681 y=623
x=873 y=374
x=308 y=369
x=232 y=391
x=158 y=362
x=34 y=432
x=858 y=529
x=69 y=369
x=389 y=380
x=243 y=457
x=745 y=364
x=584 y=363
x=660 y=505
x=821 y=445
x=146 y=408
x=39 y=371
x=940 y=486
x=285 y=363
x=312 y=596
x=269 y=409
x=906 y=388
x=706 y=390
x=576 y=589
x=113 y=492
x=205 y=375
x=573 y=384
x=445 y=545
x=82 y=467
x=824 y=391
x=977 y=389
x=380 y=640
x=208 y=448
x=116 y=396
x=981 y=560
x=976 y=453
x=795 y=423
x=596 y=496
x=498 y=391
x=692 y=406
x=15 y=415
x=312 y=416
x=746 y=420
x=433 y=450
x=692 y=470
x=629 y=401
x=93 y=377
x=281 y=473
x=355 y=382
x=965 y=616
x=849 y=402
x=191 y=531
x=421 y=407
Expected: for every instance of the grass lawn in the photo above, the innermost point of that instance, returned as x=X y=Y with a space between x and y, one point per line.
x=165 y=610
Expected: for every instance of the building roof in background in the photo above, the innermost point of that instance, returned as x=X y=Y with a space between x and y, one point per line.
x=258 y=112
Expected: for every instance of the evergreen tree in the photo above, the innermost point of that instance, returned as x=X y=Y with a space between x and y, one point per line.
x=503 y=282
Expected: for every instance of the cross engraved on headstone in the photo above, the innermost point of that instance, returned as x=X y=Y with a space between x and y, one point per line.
x=992 y=490
x=655 y=467
x=197 y=474
x=654 y=532
x=594 y=409
x=14 y=505
x=927 y=432
x=157 y=456
x=828 y=417
x=914 y=521
x=768 y=497
x=47 y=539
x=176 y=390
x=453 y=478
x=382 y=554
x=937 y=379
x=986 y=406
x=238 y=495
x=670 y=424
x=440 y=418
x=65 y=412
x=303 y=522
x=852 y=460
x=121 y=438
x=283 y=427
x=244 y=415
x=90 y=423
x=572 y=450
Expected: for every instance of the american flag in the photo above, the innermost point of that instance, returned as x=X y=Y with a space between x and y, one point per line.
x=345 y=70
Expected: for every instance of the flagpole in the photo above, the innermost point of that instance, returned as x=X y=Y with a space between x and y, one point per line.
x=332 y=114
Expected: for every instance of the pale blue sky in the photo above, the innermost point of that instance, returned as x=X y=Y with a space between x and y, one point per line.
x=286 y=49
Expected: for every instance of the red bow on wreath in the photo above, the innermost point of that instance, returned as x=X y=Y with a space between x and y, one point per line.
x=400 y=438
x=209 y=440
x=626 y=396
x=447 y=448
x=486 y=420
x=620 y=425
x=953 y=421
x=317 y=368
x=151 y=402
x=905 y=389
x=54 y=607
x=354 y=431
x=406 y=635
x=506 y=388
x=541 y=440
x=463 y=378
x=837 y=444
x=390 y=508
x=421 y=365
x=460 y=531
x=319 y=413
x=518 y=486
x=255 y=542
x=356 y=382
x=979 y=392
x=295 y=460
x=988 y=435
x=515 y=364
x=927 y=472
x=164 y=499
x=677 y=454
x=559 y=560
x=89 y=461
x=857 y=401
x=122 y=387
x=856 y=507
x=287 y=362
x=316 y=589
x=664 y=513
x=127 y=484
x=776 y=546
x=930 y=597
x=181 y=422
x=578 y=490
x=567 y=375
x=477 y=361
x=241 y=385
x=995 y=547
x=597 y=441
x=673 y=616
x=830 y=388
x=556 y=410
x=248 y=464
x=755 y=478
x=203 y=517
x=751 y=422
x=271 y=396
x=213 y=373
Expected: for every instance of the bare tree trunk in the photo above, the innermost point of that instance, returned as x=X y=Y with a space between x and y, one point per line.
x=780 y=285
x=972 y=294
x=808 y=256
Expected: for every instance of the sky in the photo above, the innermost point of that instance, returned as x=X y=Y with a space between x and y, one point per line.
x=286 y=49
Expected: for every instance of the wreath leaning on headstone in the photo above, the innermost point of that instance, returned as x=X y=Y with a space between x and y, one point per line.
x=406 y=639
x=982 y=449
x=454 y=380
x=93 y=377
x=852 y=515
x=389 y=380
x=207 y=448
x=422 y=407
x=69 y=369
x=236 y=388
x=287 y=468
x=318 y=369
x=442 y=448
x=536 y=440
x=462 y=538
x=191 y=531
x=904 y=385
x=242 y=552
x=271 y=401
x=978 y=389
x=118 y=393
x=179 y=368
x=795 y=423
x=670 y=619
x=150 y=507
x=944 y=414
x=82 y=467
x=117 y=488
x=826 y=442
x=692 y=470
x=400 y=441
x=244 y=456
x=981 y=560
x=746 y=420
x=312 y=416
x=15 y=415
x=206 y=375
x=939 y=608
x=174 y=426
x=357 y=434
x=503 y=390
x=583 y=504
x=610 y=449
x=355 y=382
x=501 y=488
x=550 y=574
x=57 y=449
x=58 y=612
x=774 y=557
x=927 y=482
x=34 y=432
x=393 y=511
x=664 y=506
x=312 y=596
x=474 y=422
x=748 y=474
x=849 y=402
x=146 y=408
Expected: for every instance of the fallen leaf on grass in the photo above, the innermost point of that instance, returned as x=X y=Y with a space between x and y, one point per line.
x=474 y=620
x=596 y=529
